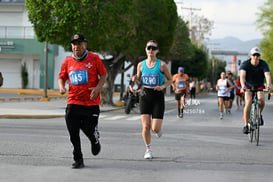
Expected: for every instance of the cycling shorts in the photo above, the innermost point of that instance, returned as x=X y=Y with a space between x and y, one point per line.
x=256 y=88
x=152 y=102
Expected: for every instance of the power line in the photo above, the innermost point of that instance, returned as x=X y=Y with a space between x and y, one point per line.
x=191 y=9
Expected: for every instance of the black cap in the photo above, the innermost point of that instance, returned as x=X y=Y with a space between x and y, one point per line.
x=78 y=37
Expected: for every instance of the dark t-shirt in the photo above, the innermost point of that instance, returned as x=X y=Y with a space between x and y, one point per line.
x=254 y=74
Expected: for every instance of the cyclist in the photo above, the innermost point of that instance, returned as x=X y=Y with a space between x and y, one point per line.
x=252 y=74
x=180 y=85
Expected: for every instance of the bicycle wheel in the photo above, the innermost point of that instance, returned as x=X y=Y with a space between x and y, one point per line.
x=250 y=124
x=251 y=132
x=257 y=123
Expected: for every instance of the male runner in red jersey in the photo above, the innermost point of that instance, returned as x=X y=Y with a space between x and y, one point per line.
x=86 y=75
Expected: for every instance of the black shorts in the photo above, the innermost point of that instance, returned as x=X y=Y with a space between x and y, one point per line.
x=152 y=102
x=224 y=98
x=231 y=96
x=178 y=96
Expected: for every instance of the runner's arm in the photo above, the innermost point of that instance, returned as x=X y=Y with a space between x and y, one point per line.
x=268 y=80
x=216 y=87
x=230 y=84
x=242 y=79
x=136 y=77
x=61 y=85
x=167 y=75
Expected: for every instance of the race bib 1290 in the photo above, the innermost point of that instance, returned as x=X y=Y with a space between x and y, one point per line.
x=151 y=80
x=78 y=77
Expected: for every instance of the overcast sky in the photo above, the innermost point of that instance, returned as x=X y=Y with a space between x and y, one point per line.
x=231 y=17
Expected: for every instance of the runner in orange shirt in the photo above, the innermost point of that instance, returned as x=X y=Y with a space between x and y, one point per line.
x=180 y=86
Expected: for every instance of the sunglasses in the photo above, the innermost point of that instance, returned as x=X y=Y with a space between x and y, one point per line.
x=256 y=54
x=151 y=48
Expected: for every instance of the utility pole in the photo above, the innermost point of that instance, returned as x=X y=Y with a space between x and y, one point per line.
x=190 y=21
x=45 y=98
x=213 y=62
x=191 y=13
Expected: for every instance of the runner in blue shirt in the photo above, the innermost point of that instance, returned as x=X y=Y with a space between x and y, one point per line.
x=152 y=72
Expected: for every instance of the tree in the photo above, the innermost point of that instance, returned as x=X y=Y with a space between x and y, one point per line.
x=202 y=27
x=148 y=25
x=196 y=65
x=182 y=46
x=215 y=67
x=265 y=24
x=112 y=27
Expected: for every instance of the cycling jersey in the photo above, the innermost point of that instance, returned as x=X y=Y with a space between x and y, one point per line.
x=254 y=74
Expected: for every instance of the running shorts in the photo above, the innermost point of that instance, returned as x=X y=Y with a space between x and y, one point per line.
x=179 y=95
x=152 y=102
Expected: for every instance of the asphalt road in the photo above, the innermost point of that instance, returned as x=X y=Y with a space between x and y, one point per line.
x=199 y=147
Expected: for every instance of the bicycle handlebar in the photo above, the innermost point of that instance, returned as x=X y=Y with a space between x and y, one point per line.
x=258 y=90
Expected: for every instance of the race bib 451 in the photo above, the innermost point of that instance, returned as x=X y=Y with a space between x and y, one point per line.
x=78 y=77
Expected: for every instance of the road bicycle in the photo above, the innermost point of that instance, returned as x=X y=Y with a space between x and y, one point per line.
x=254 y=121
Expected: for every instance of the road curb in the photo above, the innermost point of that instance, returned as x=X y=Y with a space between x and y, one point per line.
x=43 y=116
x=24 y=116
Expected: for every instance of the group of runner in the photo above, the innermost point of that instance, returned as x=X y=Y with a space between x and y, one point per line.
x=86 y=75
x=225 y=88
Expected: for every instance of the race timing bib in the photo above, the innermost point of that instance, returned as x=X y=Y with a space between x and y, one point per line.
x=78 y=77
x=181 y=83
x=150 y=80
x=222 y=91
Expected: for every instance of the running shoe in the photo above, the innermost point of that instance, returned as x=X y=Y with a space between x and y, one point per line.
x=229 y=112
x=159 y=134
x=181 y=115
x=96 y=148
x=221 y=116
x=245 y=130
x=148 y=154
x=78 y=164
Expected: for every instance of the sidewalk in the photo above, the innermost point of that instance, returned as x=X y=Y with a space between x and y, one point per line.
x=18 y=107
x=39 y=109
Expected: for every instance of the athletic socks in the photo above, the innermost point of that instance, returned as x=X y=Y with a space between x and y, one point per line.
x=148 y=146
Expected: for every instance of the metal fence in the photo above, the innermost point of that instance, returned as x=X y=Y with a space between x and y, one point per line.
x=17 y=32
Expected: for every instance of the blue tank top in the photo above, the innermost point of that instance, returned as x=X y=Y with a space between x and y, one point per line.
x=152 y=76
x=232 y=90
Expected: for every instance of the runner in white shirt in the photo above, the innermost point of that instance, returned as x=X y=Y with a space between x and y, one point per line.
x=222 y=87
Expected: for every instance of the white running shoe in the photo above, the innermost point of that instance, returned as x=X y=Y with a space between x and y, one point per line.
x=159 y=134
x=148 y=154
